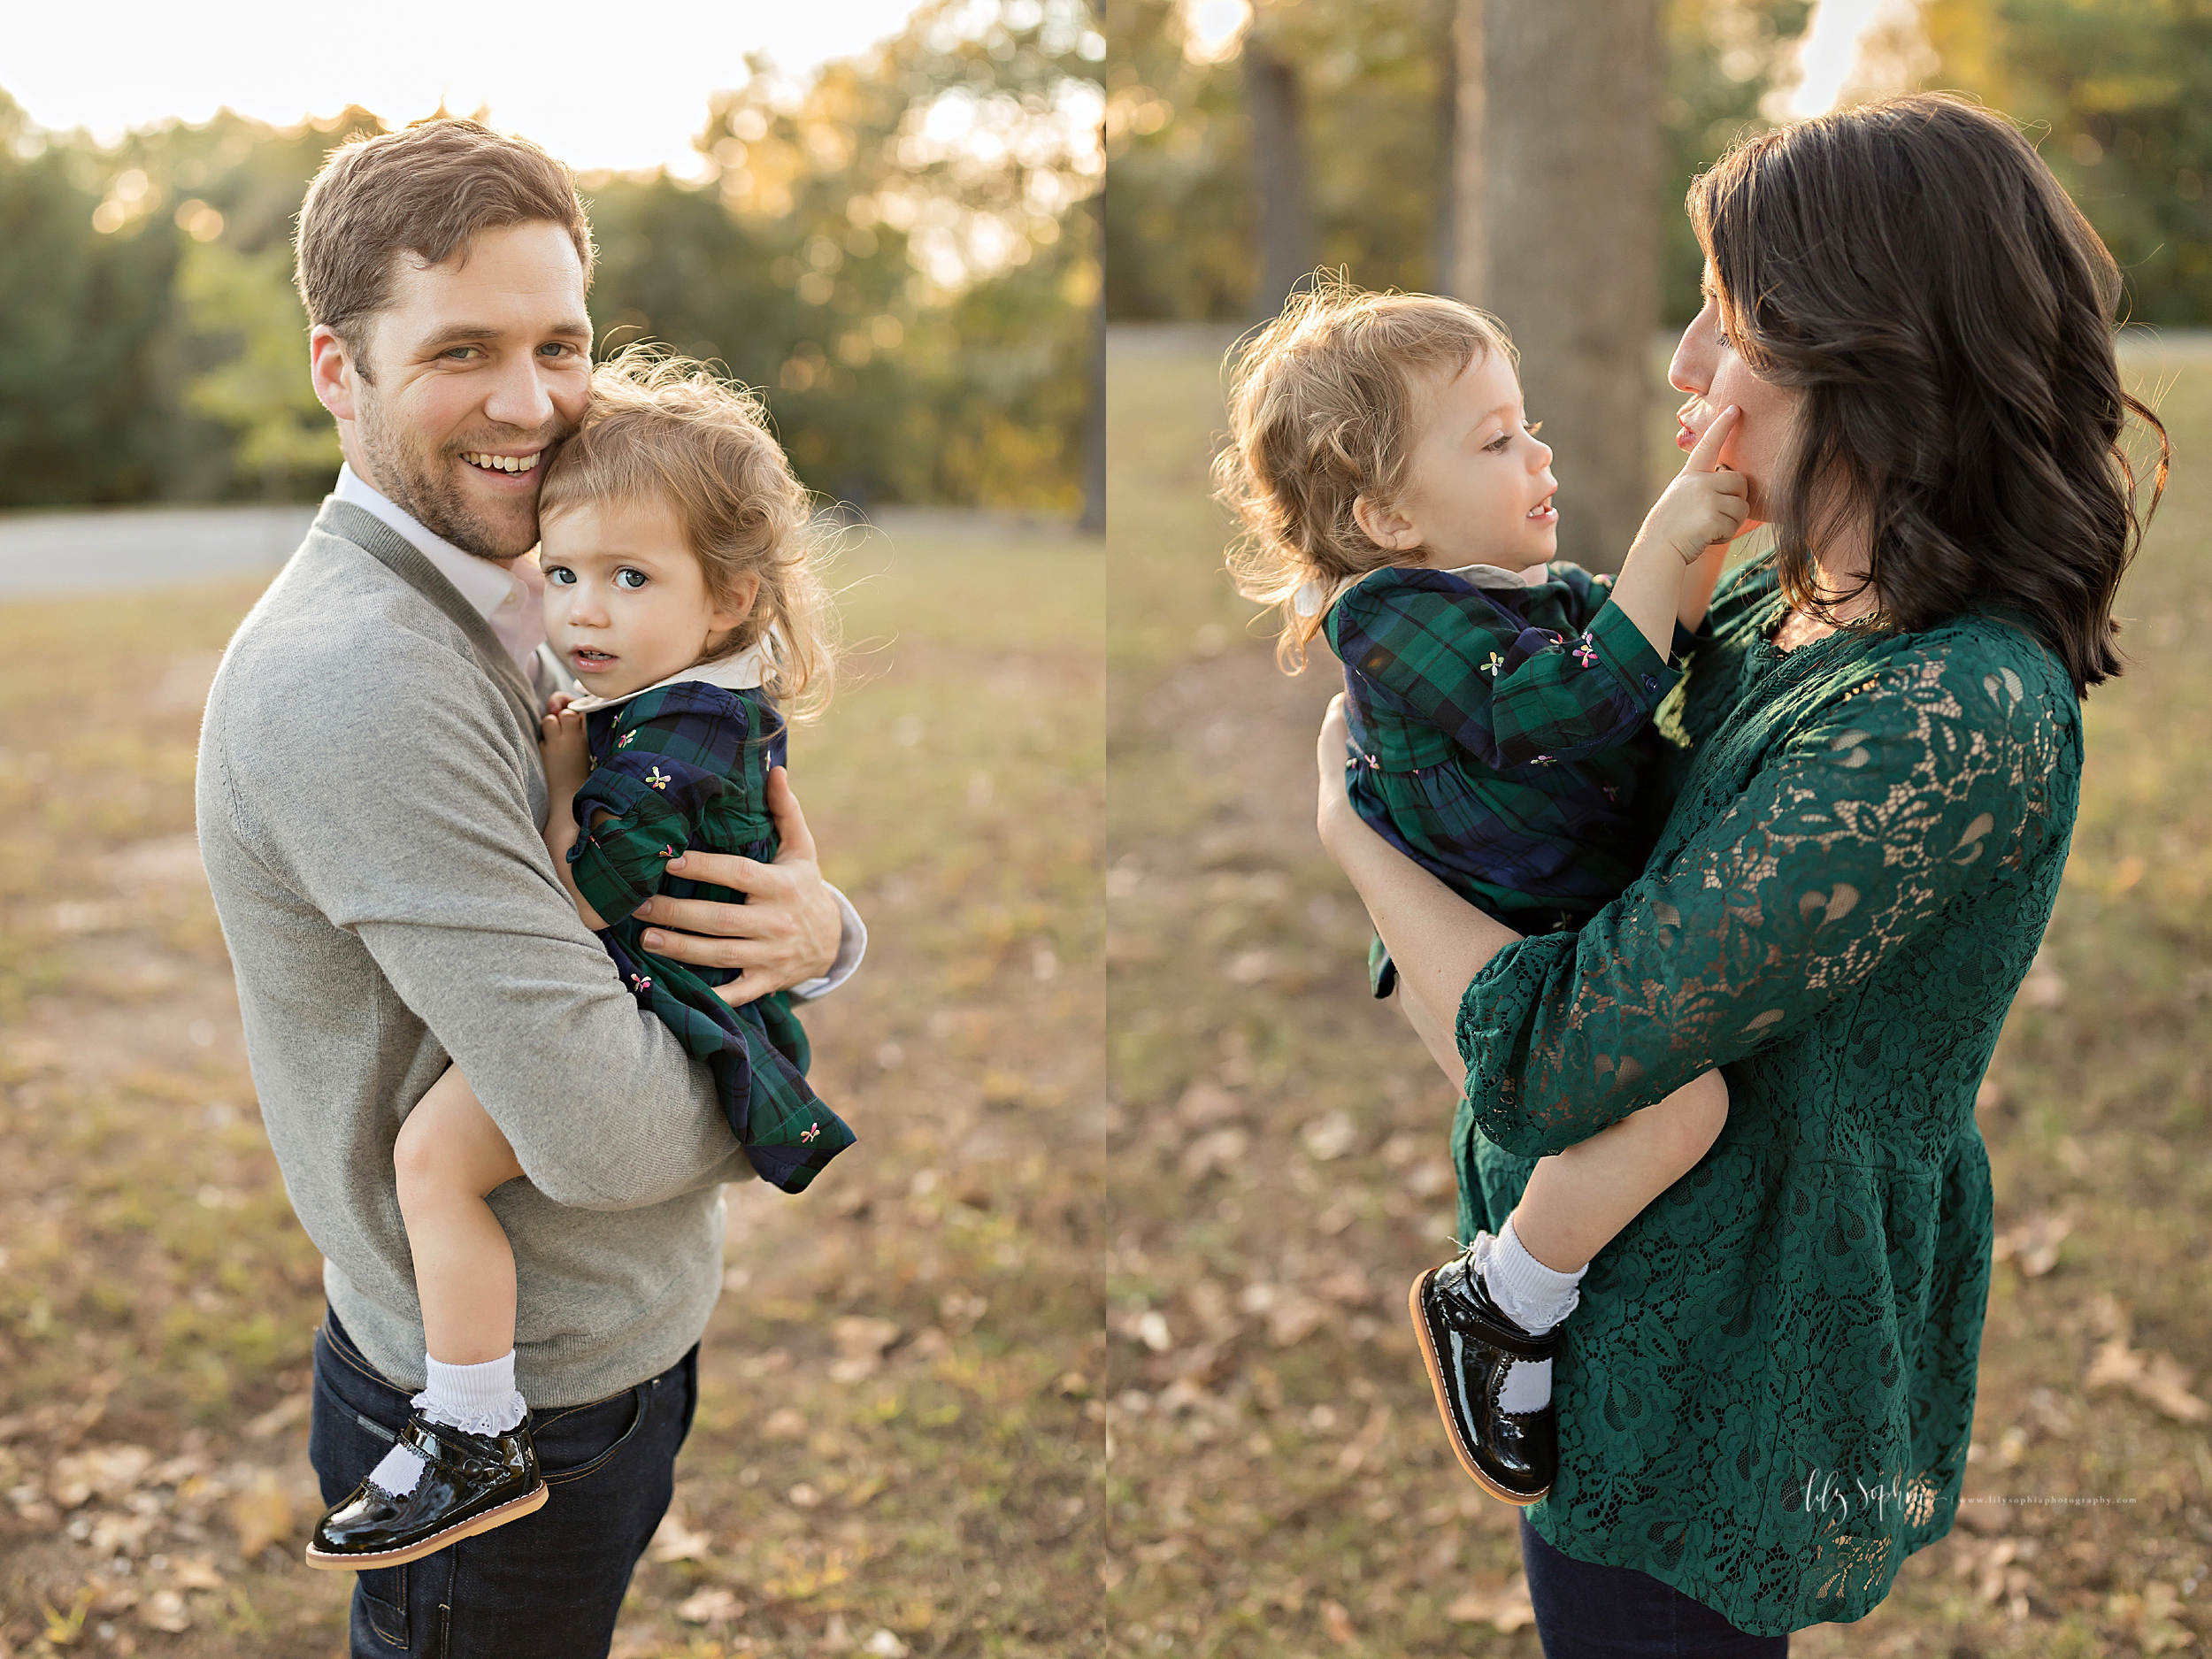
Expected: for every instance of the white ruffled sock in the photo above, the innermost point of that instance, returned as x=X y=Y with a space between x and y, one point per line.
x=1534 y=1297
x=475 y=1399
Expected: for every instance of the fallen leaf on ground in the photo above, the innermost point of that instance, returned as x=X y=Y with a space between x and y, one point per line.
x=711 y=1607
x=194 y=1572
x=860 y=1344
x=114 y=1534
x=1328 y=1137
x=1205 y=1104
x=262 y=1513
x=97 y=1471
x=2159 y=1379
x=1506 y=1608
x=2033 y=1246
x=279 y=1417
x=164 y=1609
x=1218 y=1149
x=1338 y=1623
x=1294 y=1318
x=673 y=1541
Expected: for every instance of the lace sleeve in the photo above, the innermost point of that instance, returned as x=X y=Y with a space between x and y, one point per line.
x=1913 y=789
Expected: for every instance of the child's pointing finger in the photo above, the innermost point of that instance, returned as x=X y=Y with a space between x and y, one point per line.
x=1706 y=457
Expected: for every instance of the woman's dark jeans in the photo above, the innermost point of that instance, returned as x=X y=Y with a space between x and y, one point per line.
x=548 y=1586
x=1586 y=1611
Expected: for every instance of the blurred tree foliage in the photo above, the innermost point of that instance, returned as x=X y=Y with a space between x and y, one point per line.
x=1182 y=221
x=2118 y=93
x=1377 y=75
x=902 y=254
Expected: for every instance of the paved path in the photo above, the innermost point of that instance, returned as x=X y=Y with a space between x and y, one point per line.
x=101 y=548
x=143 y=547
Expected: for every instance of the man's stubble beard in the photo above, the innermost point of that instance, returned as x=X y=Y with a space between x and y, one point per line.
x=433 y=499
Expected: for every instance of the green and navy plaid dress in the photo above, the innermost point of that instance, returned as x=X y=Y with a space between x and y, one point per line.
x=1494 y=733
x=681 y=767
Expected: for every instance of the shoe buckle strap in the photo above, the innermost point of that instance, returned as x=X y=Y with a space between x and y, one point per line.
x=1468 y=1322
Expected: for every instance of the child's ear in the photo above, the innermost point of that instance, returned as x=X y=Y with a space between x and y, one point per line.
x=729 y=613
x=1386 y=526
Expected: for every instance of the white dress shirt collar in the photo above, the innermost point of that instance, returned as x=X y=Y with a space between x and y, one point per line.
x=508 y=596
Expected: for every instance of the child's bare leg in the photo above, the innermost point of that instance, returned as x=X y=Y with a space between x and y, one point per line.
x=448 y=1157
x=1577 y=1202
x=1485 y=1321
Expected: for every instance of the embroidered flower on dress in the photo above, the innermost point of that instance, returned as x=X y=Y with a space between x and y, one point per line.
x=668 y=852
x=640 y=983
x=810 y=1132
x=624 y=741
x=1493 y=664
x=1587 y=653
x=657 y=779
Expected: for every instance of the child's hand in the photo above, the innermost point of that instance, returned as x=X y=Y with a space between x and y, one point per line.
x=1706 y=504
x=567 y=760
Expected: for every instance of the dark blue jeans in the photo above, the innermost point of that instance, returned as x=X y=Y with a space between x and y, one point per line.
x=1586 y=1611
x=548 y=1586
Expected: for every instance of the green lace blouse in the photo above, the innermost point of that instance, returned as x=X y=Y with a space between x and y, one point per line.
x=1766 y=1395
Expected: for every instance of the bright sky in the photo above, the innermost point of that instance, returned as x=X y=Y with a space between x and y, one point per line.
x=1829 y=56
x=622 y=85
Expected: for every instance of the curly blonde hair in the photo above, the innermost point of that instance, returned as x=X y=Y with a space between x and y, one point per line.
x=1321 y=412
x=667 y=430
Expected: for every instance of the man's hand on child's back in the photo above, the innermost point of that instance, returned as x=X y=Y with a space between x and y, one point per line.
x=784 y=934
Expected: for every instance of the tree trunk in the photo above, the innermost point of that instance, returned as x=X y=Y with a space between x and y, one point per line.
x=1093 y=519
x=1563 y=240
x=1279 y=163
x=1467 y=272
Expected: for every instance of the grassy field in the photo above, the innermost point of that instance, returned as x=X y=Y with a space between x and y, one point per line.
x=1278 y=1484
x=939 y=1290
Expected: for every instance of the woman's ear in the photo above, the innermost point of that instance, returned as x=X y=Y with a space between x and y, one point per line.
x=1386 y=526
x=728 y=613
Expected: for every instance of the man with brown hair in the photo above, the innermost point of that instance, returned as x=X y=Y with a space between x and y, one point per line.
x=370 y=800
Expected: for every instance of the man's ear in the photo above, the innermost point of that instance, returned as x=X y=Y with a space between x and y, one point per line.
x=331 y=371
x=1386 y=526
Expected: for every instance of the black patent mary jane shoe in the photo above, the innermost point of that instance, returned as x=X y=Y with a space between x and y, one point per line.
x=1469 y=1345
x=470 y=1484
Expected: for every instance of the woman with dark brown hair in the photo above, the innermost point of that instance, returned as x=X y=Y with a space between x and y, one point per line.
x=1766 y=1398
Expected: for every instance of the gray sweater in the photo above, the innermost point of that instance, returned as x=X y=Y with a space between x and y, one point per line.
x=370 y=800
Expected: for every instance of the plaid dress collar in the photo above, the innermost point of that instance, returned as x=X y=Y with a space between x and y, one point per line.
x=1316 y=599
x=741 y=673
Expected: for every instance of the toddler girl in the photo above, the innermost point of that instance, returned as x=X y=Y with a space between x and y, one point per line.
x=681 y=593
x=1396 y=502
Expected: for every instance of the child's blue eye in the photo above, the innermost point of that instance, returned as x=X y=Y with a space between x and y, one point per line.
x=622 y=578
x=560 y=575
